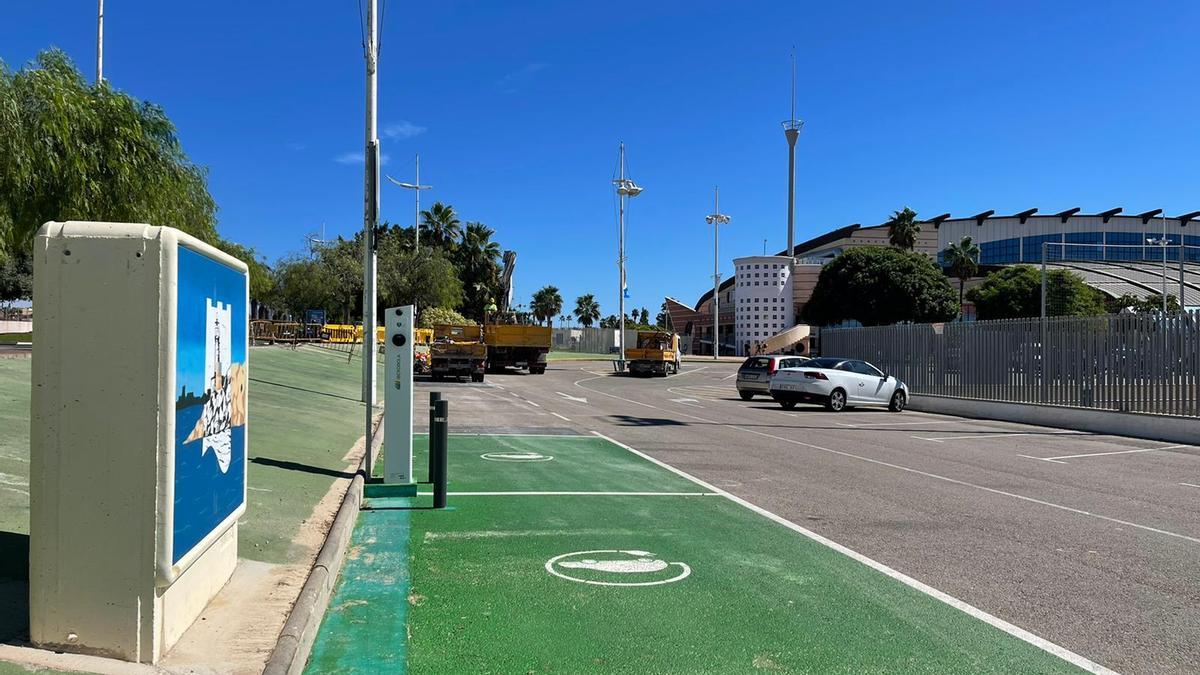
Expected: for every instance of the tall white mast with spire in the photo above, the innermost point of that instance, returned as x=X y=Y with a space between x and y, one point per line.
x=791 y=130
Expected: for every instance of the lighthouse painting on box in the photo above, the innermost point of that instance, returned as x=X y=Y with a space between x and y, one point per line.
x=210 y=398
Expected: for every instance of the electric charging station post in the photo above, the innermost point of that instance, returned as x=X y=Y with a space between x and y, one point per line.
x=397 y=406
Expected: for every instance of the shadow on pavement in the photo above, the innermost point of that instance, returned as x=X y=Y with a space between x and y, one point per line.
x=308 y=391
x=297 y=466
x=631 y=421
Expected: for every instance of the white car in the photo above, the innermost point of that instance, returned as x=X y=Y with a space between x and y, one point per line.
x=838 y=384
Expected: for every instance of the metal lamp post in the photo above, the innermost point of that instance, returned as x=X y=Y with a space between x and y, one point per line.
x=626 y=189
x=1162 y=243
x=716 y=219
x=791 y=131
x=416 y=188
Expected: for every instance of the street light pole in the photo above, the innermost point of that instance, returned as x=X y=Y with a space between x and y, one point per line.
x=791 y=131
x=716 y=219
x=416 y=188
x=370 y=222
x=626 y=189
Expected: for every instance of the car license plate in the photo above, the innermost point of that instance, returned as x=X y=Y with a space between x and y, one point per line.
x=751 y=376
x=788 y=387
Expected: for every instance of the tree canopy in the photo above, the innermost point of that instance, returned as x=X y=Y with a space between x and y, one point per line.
x=1016 y=292
x=547 y=302
x=962 y=262
x=587 y=310
x=78 y=151
x=903 y=229
x=877 y=285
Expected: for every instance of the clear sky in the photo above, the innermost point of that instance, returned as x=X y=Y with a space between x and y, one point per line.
x=517 y=108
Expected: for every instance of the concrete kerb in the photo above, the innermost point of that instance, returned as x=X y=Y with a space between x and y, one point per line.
x=1183 y=430
x=291 y=651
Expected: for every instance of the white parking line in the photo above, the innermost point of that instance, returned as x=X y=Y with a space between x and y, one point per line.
x=565 y=419
x=996 y=622
x=965 y=436
x=1190 y=485
x=1118 y=452
x=575 y=494
x=1044 y=459
x=893 y=424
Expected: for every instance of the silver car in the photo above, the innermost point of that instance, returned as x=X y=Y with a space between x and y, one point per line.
x=754 y=377
x=838 y=384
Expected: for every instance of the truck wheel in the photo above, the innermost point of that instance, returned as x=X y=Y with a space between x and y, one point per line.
x=477 y=377
x=537 y=370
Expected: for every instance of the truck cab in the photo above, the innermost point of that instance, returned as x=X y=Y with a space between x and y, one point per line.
x=656 y=353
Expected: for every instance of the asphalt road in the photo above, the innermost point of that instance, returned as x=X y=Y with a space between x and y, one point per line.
x=1088 y=541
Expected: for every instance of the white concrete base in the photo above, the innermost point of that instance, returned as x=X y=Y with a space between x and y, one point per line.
x=1134 y=425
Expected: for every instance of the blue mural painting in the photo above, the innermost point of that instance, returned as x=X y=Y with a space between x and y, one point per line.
x=210 y=404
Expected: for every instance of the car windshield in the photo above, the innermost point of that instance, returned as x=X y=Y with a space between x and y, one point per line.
x=757 y=363
x=824 y=362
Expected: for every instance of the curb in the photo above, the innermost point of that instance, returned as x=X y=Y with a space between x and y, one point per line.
x=295 y=642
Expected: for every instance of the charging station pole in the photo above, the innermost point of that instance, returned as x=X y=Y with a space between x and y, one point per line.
x=398 y=396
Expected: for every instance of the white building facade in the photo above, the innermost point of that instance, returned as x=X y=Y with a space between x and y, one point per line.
x=762 y=300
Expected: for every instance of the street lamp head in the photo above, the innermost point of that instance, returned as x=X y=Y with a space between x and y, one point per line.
x=718 y=218
x=627 y=187
x=409 y=186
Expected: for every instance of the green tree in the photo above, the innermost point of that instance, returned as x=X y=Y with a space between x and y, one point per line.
x=610 y=321
x=547 y=302
x=342 y=260
x=663 y=318
x=644 y=319
x=302 y=283
x=435 y=316
x=587 y=310
x=479 y=268
x=424 y=279
x=72 y=150
x=440 y=226
x=1150 y=304
x=962 y=262
x=876 y=285
x=903 y=229
x=1016 y=292
x=16 y=277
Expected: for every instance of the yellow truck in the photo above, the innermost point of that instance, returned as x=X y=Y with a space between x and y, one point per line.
x=517 y=346
x=656 y=353
x=458 y=351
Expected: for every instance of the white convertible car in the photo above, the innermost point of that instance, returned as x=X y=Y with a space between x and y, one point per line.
x=838 y=384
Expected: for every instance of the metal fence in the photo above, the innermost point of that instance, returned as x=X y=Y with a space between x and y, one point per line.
x=1144 y=363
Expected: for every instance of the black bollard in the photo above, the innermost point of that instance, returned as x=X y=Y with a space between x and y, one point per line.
x=441 y=436
x=434 y=397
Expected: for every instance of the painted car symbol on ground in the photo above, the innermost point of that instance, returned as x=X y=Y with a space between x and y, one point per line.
x=614 y=567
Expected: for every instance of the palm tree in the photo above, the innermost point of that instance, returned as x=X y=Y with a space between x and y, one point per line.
x=440 y=225
x=478 y=257
x=962 y=261
x=587 y=310
x=546 y=303
x=903 y=229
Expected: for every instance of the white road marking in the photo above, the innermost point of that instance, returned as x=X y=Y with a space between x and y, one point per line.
x=1118 y=452
x=258 y=489
x=469 y=433
x=565 y=419
x=893 y=424
x=689 y=371
x=728 y=376
x=971 y=437
x=1044 y=459
x=518 y=493
x=688 y=402
x=1190 y=485
x=918 y=472
x=577 y=399
x=536 y=405
x=996 y=622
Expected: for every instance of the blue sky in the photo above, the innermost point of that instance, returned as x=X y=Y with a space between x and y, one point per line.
x=517 y=108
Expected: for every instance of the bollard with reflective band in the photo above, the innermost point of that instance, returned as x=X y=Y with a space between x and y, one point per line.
x=439 y=437
x=434 y=397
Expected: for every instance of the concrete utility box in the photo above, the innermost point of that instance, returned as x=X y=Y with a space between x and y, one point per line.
x=138 y=439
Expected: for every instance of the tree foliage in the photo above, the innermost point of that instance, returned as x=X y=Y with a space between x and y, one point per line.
x=478 y=259
x=440 y=226
x=547 y=302
x=435 y=316
x=876 y=285
x=1016 y=292
x=1148 y=305
x=903 y=229
x=76 y=151
x=587 y=310
x=962 y=262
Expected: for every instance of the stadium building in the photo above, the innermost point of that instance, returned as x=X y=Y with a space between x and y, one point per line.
x=1114 y=252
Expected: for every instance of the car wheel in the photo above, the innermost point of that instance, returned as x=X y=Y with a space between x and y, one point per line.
x=837 y=401
x=899 y=400
x=787 y=405
x=746 y=396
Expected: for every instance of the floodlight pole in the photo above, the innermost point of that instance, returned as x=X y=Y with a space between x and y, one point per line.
x=791 y=131
x=716 y=219
x=100 y=42
x=370 y=222
x=416 y=188
x=626 y=189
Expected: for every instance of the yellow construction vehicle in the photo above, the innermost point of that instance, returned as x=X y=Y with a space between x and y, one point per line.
x=517 y=346
x=458 y=351
x=656 y=353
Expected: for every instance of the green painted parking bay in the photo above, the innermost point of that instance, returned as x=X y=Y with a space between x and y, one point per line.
x=675 y=579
